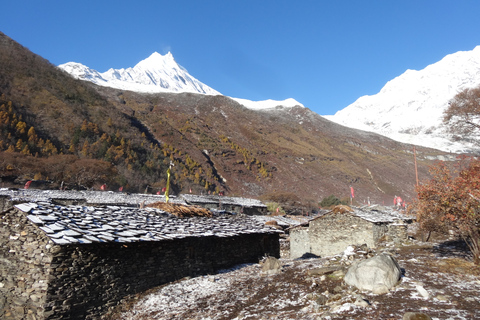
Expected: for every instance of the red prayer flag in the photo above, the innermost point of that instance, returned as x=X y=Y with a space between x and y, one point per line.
x=352 y=192
x=27 y=184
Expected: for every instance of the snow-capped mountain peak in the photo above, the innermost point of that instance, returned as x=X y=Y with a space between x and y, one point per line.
x=410 y=107
x=160 y=73
x=157 y=73
x=156 y=61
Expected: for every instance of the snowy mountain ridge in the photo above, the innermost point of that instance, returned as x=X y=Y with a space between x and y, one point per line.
x=159 y=73
x=410 y=107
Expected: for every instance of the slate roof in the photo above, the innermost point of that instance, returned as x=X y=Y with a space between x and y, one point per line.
x=89 y=224
x=380 y=214
x=374 y=214
x=284 y=221
x=237 y=201
x=89 y=197
x=120 y=198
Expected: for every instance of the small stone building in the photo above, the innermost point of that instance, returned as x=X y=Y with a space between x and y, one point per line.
x=76 y=261
x=333 y=232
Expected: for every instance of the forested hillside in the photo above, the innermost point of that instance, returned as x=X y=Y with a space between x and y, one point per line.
x=58 y=129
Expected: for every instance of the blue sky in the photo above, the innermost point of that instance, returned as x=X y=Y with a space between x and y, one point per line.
x=325 y=54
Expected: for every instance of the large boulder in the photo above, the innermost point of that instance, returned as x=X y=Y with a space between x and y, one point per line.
x=378 y=274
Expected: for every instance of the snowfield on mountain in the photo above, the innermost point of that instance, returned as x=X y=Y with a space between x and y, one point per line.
x=410 y=107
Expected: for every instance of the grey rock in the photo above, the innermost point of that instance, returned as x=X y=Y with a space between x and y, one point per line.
x=416 y=316
x=271 y=265
x=378 y=274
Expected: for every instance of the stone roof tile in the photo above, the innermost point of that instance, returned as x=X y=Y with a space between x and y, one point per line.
x=89 y=224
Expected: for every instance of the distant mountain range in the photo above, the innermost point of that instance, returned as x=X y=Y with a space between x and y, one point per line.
x=409 y=108
x=155 y=74
x=271 y=149
x=159 y=73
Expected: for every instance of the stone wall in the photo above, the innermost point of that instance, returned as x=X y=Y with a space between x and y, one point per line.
x=25 y=256
x=40 y=280
x=5 y=203
x=92 y=278
x=333 y=233
x=397 y=232
x=299 y=242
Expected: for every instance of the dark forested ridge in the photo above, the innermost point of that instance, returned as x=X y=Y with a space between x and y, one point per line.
x=56 y=128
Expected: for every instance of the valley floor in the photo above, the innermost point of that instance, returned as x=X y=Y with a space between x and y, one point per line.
x=444 y=269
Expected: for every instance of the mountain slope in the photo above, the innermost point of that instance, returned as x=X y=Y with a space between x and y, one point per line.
x=215 y=143
x=294 y=150
x=157 y=73
x=409 y=108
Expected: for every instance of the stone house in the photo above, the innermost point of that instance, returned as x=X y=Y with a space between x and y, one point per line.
x=331 y=233
x=76 y=261
x=230 y=204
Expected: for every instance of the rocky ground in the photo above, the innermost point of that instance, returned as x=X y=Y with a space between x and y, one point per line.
x=438 y=279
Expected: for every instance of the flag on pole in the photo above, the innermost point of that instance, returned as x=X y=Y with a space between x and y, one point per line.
x=27 y=184
x=352 y=193
x=168 y=185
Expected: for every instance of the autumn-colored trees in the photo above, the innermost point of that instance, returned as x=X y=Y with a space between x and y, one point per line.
x=17 y=136
x=462 y=116
x=450 y=200
x=132 y=158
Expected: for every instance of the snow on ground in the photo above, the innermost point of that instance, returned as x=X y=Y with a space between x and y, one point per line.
x=438 y=281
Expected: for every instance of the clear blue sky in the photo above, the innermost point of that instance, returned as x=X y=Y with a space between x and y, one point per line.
x=325 y=54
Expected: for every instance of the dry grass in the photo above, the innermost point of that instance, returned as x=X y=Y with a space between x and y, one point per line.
x=182 y=211
x=341 y=209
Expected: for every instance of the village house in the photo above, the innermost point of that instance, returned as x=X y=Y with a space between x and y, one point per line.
x=230 y=204
x=62 y=260
x=331 y=233
x=214 y=202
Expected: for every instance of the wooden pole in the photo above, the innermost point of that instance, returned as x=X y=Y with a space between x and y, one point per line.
x=416 y=170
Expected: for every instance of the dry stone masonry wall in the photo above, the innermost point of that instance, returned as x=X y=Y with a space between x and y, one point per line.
x=74 y=262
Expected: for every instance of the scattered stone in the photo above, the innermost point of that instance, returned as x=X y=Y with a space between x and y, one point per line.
x=337 y=289
x=271 y=265
x=361 y=302
x=322 y=271
x=416 y=316
x=321 y=300
x=339 y=273
x=442 y=297
x=335 y=297
x=378 y=274
x=421 y=290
